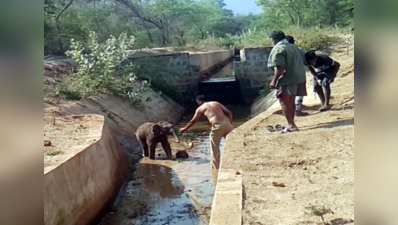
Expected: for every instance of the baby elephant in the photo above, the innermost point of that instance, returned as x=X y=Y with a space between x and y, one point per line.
x=150 y=134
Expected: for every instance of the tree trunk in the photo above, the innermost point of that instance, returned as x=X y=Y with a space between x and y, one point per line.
x=291 y=17
x=58 y=26
x=137 y=14
x=148 y=33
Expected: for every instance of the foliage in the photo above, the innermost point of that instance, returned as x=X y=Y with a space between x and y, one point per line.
x=306 y=38
x=306 y=13
x=100 y=71
x=153 y=22
x=317 y=210
x=186 y=22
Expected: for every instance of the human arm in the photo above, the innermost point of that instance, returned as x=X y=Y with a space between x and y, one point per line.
x=277 y=61
x=195 y=118
x=227 y=112
x=278 y=73
x=337 y=67
x=311 y=69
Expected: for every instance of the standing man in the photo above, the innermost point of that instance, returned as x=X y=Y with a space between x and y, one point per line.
x=289 y=76
x=327 y=70
x=299 y=99
x=220 y=119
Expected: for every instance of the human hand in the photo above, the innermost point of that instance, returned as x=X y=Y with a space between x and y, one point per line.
x=272 y=85
x=319 y=82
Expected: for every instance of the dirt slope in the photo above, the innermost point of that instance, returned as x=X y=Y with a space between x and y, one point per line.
x=120 y=115
x=284 y=173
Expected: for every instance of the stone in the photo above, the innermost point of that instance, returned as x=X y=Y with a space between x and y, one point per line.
x=182 y=154
x=47 y=143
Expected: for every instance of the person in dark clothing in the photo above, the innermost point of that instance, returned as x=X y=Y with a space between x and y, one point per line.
x=299 y=99
x=324 y=69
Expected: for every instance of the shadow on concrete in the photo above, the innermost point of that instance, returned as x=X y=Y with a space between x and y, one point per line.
x=339 y=123
x=341 y=221
x=244 y=197
x=339 y=108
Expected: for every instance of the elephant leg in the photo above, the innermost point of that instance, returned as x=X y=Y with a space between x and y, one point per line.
x=152 y=149
x=145 y=147
x=166 y=147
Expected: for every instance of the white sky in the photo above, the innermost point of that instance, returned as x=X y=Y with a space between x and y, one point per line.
x=243 y=6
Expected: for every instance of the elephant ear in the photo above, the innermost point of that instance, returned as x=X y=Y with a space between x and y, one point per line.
x=156 y=130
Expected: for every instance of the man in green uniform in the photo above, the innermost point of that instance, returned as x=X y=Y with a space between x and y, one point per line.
x=289 y=76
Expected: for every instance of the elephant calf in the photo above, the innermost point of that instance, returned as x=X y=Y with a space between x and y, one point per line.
x=150 y=134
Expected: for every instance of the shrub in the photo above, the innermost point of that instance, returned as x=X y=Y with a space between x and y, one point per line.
x=317 y=210
x=101 y=71
x=312 y=38
x=306 y=38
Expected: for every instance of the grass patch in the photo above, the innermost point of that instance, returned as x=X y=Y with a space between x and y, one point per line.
x=54 y=152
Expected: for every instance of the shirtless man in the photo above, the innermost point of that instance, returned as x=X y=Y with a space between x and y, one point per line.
x=220 y=119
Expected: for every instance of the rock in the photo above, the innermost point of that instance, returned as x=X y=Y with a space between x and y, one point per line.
x=182 y=154
x=276 y=184
x=47 y=143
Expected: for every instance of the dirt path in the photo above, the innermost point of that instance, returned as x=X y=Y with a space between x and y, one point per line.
x=284 y=173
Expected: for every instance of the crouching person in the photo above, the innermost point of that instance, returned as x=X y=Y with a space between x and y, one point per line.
x=324 y=69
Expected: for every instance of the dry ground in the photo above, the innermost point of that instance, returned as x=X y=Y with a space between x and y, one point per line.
x=284 y=173
x=68 y=136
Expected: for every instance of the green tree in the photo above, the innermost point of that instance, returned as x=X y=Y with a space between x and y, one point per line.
x=305 y=13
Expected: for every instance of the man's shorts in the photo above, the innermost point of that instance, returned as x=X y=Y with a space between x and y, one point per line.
x=295 y=90
x=326 y=78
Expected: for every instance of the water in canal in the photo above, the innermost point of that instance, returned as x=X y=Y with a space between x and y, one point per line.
x=178 y=192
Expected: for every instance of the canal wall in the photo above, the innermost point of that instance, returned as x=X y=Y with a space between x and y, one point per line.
x=179 y=73
x=83 y=187
x=80 y=189
x=252 y=72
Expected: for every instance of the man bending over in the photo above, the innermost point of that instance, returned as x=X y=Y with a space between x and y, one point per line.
x=327 y=70
x=220 y=119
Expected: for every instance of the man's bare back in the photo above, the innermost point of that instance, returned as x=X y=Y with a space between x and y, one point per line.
x=215 y=113
x=221 y=121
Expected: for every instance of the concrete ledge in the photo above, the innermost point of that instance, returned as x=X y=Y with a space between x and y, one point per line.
x=207 y=61
x=227 y=203
x=82 y=188
x=228 y=198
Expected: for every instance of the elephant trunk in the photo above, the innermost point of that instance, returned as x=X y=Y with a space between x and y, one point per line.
x=175 y=136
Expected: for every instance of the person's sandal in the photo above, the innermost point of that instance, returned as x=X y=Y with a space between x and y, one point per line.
x=270 y=129
x=279 y=127
x=324 y=108
x=288 y=130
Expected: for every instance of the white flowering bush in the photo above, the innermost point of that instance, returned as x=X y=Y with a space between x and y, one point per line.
x=103 y=70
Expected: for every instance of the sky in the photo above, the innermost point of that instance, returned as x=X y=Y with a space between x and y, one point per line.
x=243 y=6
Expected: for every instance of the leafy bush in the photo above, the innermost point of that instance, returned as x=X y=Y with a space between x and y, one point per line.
x=312 y=38
x=317 y=210
x=101 y=71
x=307 y=39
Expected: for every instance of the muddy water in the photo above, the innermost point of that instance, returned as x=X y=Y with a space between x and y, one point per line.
x=178 y=191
